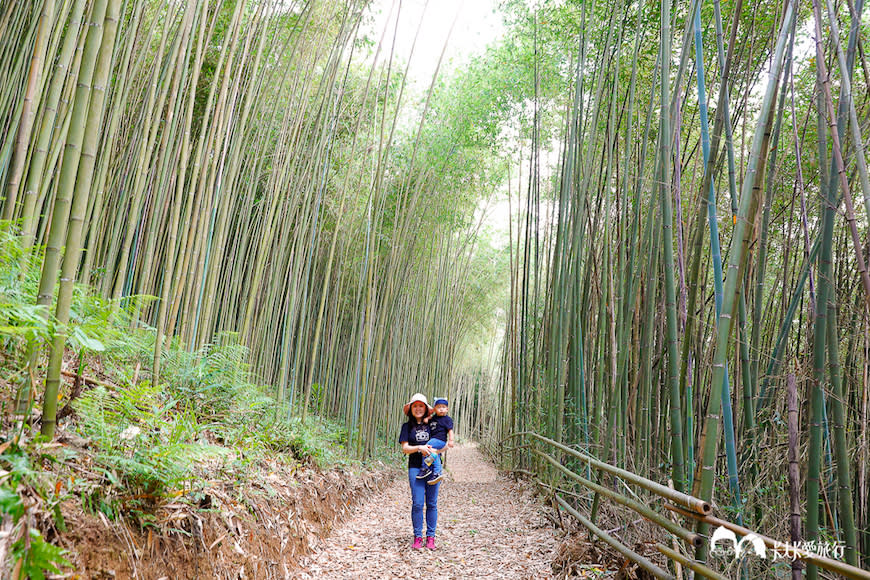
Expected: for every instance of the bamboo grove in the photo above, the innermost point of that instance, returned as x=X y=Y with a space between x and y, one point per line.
x=698 y=254
x=686 y=280
x=243 y=171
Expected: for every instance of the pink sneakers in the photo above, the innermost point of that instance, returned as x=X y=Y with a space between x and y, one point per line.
x=430 y=543
x=418 y=543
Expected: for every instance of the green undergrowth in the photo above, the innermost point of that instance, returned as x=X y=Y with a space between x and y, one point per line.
x=129 y=445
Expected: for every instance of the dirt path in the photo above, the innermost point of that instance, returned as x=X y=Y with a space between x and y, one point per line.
x=487 y=528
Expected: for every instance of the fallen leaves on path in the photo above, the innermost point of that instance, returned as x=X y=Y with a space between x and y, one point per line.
x=488 y=527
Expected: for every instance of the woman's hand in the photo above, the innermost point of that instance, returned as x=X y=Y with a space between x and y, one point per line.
x=425 y=449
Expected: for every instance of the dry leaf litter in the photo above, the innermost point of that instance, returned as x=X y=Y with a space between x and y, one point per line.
x=488 y=527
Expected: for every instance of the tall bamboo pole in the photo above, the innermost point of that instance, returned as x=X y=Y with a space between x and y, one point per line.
x=677 y=464
x=106 y=29
x=704 y=476
x=31 y=100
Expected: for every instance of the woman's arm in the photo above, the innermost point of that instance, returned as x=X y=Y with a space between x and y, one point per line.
x=408 y=449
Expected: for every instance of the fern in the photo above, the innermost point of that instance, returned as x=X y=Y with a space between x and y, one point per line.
x=38 y=556
x=30 y=550
x=140 y=434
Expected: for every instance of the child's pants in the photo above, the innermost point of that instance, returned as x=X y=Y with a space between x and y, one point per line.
x=433 y=460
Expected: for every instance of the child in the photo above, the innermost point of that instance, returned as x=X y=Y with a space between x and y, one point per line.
x=440 y=436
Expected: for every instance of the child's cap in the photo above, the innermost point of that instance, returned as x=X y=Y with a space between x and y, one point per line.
x=440 y=401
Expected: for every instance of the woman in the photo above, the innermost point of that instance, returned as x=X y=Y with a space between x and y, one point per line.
x=414 y=439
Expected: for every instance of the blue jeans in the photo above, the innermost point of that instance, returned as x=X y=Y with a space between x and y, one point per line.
x=436 y=457
x=421 y=494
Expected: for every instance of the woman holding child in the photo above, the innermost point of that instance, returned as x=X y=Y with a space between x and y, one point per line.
x=418 y=443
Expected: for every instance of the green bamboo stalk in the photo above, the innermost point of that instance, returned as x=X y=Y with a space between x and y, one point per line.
x=106 y=29
x=175 y=212
x=846 y=65
x=816 y=400
x=32 y=96
x=716 y=258
x=51 y=102
x=722 y=120
x=841 y=451
x=155 y=99
x=120 y=95
x=677 y=463
x=761 y=268
x=704 y=476
x=847 y=514
x=229 y=175
x=838 y=152
x=72 y=154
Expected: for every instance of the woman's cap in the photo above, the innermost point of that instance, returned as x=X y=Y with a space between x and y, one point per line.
x=440 y=401
x=418 y=397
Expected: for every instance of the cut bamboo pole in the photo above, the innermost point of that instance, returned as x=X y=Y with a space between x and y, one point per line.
x=616 y=545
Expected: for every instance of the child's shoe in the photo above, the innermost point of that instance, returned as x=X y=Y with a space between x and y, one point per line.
x=435 y=479
x=424 y=473
x=418 y=543
x=430 y=542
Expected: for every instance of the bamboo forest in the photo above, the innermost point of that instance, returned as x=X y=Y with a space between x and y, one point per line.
x=624 y=244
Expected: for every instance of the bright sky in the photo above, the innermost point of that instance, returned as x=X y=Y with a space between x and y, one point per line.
x=477 y=25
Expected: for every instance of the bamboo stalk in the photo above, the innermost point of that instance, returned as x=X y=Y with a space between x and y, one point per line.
x=696 y=567
x=838 y=152
x=677 y=462
x=28 y=110
x=827 y=563
x=664 y=491
x=106 y=30
x=633 y=556
x=705 y=473
x=794 y=472
x=687 y=536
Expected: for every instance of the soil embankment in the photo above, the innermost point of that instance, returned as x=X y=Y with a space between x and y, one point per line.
x=260 y=531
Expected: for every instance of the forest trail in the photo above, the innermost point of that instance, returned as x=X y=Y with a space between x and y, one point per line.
x=487 y=528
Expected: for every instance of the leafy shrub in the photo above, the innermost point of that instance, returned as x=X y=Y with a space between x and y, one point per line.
x=20 y=319
x=213 y=378
x=30 y=551
x=37 y=556
x=218 y=385
x=319 y=439
x=146 y=441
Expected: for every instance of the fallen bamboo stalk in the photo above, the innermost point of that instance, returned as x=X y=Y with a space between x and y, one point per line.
x=687 y=536
x=693 y=503
x=827 y=563
x=615 y=544
x=88 y=380
x=693 y=565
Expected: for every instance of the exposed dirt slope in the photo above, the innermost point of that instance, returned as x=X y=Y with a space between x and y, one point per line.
x=256 y=532
x=488 y=527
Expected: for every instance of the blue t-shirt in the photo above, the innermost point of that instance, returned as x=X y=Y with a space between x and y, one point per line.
x=415 y=434
x=439 y=426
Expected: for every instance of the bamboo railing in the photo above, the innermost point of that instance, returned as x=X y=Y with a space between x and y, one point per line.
x=686 y=506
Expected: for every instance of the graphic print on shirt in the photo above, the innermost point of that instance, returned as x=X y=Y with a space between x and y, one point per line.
x=421 y=434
